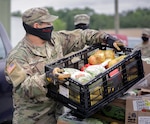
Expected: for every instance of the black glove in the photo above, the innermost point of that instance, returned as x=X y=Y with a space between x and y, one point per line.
x=114 y=42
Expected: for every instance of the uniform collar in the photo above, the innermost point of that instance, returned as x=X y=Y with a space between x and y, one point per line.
x=33 y=48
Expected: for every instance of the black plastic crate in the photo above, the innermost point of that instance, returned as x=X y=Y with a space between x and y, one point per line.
x=85 y=100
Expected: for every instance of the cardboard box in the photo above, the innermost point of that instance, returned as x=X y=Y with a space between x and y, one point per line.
x=137 y=110
x=146 y=67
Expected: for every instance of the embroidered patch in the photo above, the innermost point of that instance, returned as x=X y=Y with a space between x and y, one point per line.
x=11 y=67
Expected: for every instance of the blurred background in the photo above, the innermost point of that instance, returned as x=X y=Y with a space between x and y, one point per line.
x=119 y=17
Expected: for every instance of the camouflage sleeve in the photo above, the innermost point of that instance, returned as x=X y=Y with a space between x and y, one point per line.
x=19 y=73
x=77 y=39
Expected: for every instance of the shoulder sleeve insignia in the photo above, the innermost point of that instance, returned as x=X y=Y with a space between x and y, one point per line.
x=11 y=67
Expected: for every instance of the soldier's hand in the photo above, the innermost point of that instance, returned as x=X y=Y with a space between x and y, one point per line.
x=118 y=45
x=114 y=42
x=58 y=73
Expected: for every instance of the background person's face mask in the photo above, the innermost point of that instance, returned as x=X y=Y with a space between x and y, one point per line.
x=43 y=33
x=145 y=38
x=82 y=26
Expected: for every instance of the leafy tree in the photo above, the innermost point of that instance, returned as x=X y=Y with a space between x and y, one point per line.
x=135 y=19
x=101 y=21
x=128 y=19
x=59 y=25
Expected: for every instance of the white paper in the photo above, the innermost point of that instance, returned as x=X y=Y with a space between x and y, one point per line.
x=138 y=105
x=64 y=91
x=144 y=120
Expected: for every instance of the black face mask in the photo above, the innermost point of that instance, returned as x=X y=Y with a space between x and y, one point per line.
x=81 y=26
x=145 y=38
x=43 y=33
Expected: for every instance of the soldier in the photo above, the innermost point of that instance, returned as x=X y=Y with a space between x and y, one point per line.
x=145 y=49
x=25 y=64
x=145 y=35
x=145 y=45
x=81 y=21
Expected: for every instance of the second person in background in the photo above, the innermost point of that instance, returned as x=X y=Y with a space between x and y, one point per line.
x=145 y=45
x=81 y=21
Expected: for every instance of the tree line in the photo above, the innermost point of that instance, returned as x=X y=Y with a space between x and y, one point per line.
x=138 y=18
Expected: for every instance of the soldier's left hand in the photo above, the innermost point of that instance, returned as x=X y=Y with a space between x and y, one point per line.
x=118 y=45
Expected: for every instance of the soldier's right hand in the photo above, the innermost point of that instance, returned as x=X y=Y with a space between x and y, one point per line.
x=58 y=73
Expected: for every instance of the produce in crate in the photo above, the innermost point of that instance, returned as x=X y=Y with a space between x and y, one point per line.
x=89 y=73
x=84 y=77
x=92 y=60
x=81 y=77
x=109 y=54
x=95 y=95
x=100 y=56
x=95 y=66
x=95 y=69
x=85 y=66
x=115 y=61
x=94 y=98
x=70 y=70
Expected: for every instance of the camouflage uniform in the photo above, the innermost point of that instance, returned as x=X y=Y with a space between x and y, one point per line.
x=145 y=49
x=25 y=69
x=145 y=46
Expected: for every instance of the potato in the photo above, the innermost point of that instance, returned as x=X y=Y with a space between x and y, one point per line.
x=92 y=60
x=112 y=63
x=109 y=54
x=100 y=56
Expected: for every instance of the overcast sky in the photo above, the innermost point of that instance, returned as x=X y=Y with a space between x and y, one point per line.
x=100 y=6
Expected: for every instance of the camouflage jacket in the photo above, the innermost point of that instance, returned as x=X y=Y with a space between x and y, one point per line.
x=145 y=49
x=25 y=70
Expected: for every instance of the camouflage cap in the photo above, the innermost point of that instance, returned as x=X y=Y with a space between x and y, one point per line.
x=37 y=15
x=81 y=18
x=146 y=31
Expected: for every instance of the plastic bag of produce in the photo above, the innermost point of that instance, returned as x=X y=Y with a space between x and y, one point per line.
x=70 y=70
x=95 y=70
x=81 y=77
